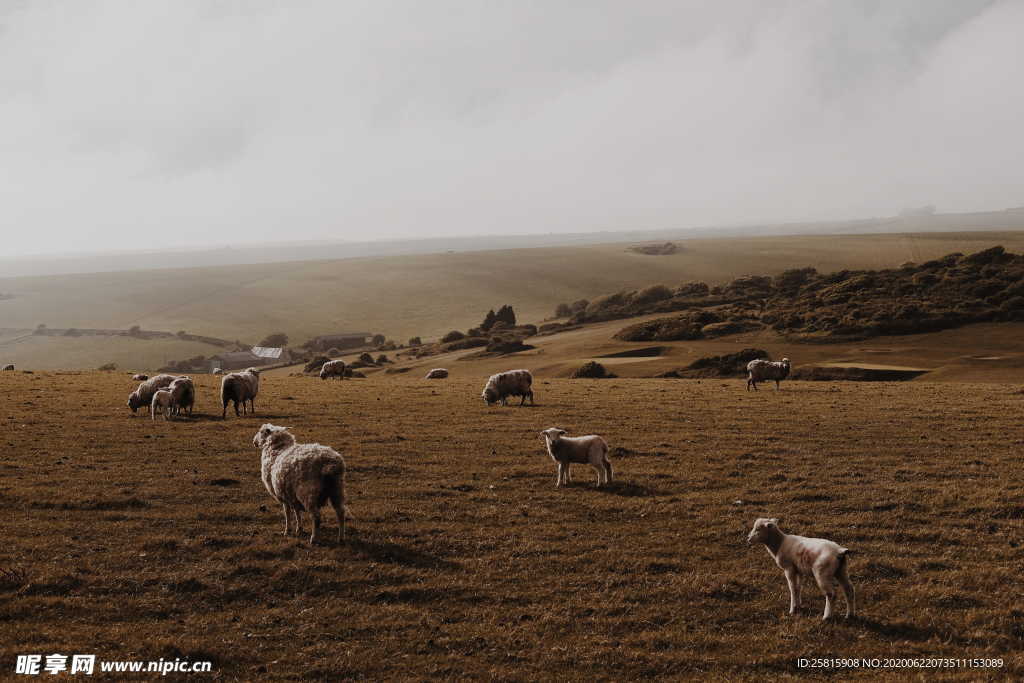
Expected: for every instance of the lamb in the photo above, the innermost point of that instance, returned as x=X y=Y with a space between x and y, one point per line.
x=799 y=556
x=762 y=370
x=140 y=377
x=302 y=477
x=183 y=395
x=143 y=395
x=9 y=366
x=512 y=383
x=437 y=373
x=162 y=401
x=333 y=368
x=580 y=449
x=240 y=387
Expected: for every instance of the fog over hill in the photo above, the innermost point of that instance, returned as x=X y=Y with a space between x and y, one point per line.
x=240 y=254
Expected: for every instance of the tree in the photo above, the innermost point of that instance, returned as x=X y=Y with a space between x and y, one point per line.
x=489 y=320
x=454 y=335
x=275 y=340
x=134 y=330
x=378 y=340
x=563 y=311
x=415 y=341
x=506 y=315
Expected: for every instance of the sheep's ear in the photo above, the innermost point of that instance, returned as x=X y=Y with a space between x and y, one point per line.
x=774 y=521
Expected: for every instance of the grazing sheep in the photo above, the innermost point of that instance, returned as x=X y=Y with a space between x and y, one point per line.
x=140 y=377
x=333 y=368
x=565 y=450
x=9 y=366
x=162 y=401
x=437 y=373
x=762 y=370
x=240 y=387
x=512 y=383
x=302 y=477
x=143 y=395
x=183 y=395
x=798 y=556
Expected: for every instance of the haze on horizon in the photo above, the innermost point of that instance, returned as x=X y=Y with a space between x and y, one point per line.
x=147 y=125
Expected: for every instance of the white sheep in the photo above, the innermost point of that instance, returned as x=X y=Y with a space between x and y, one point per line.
x=140 y=377
x=240 y=387
x=218 y=371
x=302 y=477
x=183 y=395
x=511 y=383
x=437 y=373
x=565 y=450
x=333 y=368
x=799 y=556
x=162 y=401
x=143 y=395
x=762 y=370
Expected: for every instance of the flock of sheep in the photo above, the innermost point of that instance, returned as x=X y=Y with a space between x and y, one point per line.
x=304 y=477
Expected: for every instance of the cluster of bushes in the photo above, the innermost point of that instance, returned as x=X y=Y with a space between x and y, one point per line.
x=661 y=249
x=592 y=370
x=727 y=365
x=498 y=332
x=809 y=306
x=193 y=364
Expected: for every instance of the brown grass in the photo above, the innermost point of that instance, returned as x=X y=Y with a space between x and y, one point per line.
x=137 y=539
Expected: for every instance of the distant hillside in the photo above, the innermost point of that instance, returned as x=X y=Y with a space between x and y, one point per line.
x=415 y=295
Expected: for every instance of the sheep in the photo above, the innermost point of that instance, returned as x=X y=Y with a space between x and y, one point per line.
x=333 y=368
x=183 y=395
x=218 y=371
x=565 y=450
x=162 y=401
x=512 y=383
x=437 y=373
x=302 y=477
x=762 y=370
x=143 y=395
x=9 y=366
x=240 y=387
x=798 y=556
x=140 y=377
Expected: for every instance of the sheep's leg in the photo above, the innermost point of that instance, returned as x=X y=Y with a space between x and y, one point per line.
x=339 y=509
x=298 y=520
x=793 y=581
x=607 y=471
x=599 y=468
x=314 y=513
x=287 y=519
x=848 y=592
x=776 y=385
x=827 y=586
x=561 y=475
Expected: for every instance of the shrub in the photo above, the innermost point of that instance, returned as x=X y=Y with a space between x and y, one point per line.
x=563 y=311
x=109 y=367
x=454 y=335
x=592 y=370
x=381 y=359
x=650 y=295
x=333 y=352
x=579 y=306
x=275 y=340
x=378 y=340
x=315 y=364
x=366 y=358
x=415 y=341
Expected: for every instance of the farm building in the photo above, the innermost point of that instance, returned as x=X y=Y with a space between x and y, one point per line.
x=343 y=340
x=239 y=360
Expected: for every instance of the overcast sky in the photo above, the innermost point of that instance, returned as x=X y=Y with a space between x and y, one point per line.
x=142 y=124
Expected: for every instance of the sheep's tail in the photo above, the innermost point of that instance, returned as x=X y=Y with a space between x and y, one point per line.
x=842 y=557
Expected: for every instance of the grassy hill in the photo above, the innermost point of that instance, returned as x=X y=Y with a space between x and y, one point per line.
x=426 y=295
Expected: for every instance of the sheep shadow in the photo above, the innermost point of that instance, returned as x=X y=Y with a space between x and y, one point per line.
x=625 y=489
x=895 y=630
x=393 y=553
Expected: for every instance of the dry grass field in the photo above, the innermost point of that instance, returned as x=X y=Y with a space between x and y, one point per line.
x=424 y=294
x=135 y=539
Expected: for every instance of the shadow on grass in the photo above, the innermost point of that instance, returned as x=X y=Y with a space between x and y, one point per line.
x=628 y=489
x=392 y=553
x=894 y=630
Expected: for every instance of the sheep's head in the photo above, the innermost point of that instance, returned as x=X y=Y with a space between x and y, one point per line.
x=764 y=527
x=133 y=401
x=490 y=395
x=277 y=437
x=785 y=361
x=553 y=434
x=253 y=371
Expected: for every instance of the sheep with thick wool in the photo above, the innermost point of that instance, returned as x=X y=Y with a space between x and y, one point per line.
x=762 y=370
x=143 y=395
x=162 y=401
x=183 y=395
x=566 y=450
x=799 y=556
x=302 y=477
x=333 y=368
x=511 y=383
x=240 y=387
